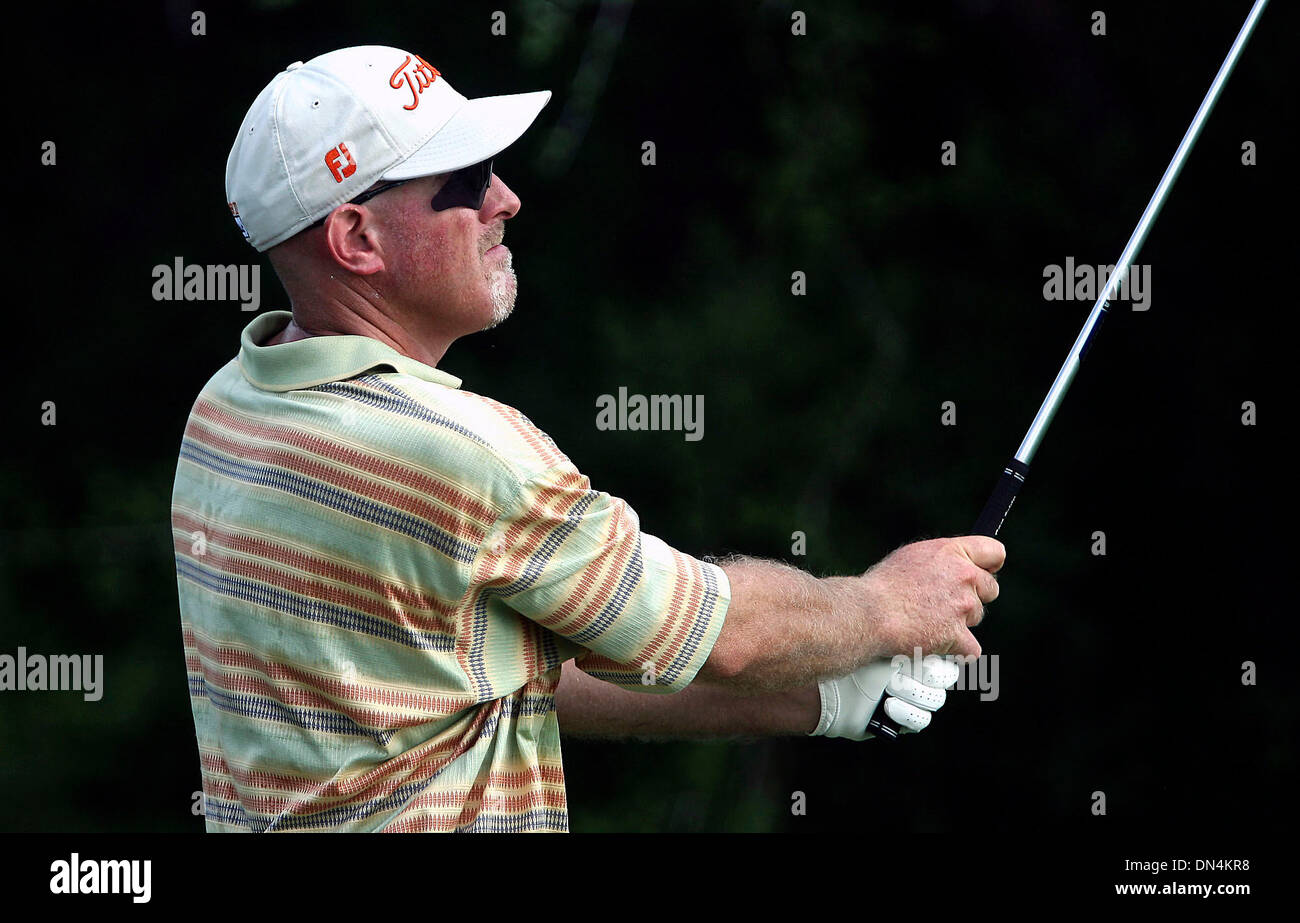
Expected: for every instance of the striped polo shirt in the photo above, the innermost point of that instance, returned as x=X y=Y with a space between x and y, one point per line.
x=380 y=575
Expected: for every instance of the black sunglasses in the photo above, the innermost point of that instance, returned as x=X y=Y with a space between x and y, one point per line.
x=465 y=188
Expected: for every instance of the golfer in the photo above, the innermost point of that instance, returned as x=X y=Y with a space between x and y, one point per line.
x=395 y=593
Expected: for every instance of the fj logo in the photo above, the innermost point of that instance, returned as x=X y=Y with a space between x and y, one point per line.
x=333 y=160
x=417 y=79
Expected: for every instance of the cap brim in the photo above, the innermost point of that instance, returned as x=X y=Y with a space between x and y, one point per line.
x=480 y=129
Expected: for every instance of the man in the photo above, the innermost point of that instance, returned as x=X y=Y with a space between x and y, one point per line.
x=396 y=593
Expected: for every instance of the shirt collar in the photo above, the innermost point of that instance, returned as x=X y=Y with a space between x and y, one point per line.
x=316 y=360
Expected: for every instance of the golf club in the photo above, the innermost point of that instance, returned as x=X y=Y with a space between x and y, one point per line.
x=1013 y=475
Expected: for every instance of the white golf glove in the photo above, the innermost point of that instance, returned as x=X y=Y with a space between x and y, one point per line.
x=848 y=702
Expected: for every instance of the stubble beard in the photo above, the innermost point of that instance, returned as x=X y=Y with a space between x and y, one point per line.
x=504 y=286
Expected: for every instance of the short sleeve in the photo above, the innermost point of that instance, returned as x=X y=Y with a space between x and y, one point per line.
x=575 y=561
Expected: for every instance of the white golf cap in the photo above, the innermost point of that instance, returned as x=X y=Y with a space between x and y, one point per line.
x=323 y=132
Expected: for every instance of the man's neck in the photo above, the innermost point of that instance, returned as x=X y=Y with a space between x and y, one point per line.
x=290 y=333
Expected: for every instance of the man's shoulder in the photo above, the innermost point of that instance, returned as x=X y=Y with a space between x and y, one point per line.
x=451 y=425
x=517 y=438
x=390 y=421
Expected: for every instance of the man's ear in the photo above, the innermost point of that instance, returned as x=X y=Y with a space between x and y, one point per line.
x=352 y=239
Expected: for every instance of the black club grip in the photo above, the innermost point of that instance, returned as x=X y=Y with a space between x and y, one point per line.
x=883 y=726
x=1004 y=494
x=989 y=523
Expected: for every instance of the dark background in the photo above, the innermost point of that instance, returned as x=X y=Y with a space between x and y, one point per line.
x=775 y=153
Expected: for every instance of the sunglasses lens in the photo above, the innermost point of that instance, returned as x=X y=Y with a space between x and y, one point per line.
x=465 y=188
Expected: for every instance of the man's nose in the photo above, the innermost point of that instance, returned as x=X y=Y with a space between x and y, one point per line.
x=500 y=201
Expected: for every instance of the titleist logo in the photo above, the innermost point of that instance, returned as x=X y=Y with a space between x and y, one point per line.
x=417 y=79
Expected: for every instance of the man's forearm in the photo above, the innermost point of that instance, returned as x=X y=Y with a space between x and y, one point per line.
x=588 y=707
x=786 y=629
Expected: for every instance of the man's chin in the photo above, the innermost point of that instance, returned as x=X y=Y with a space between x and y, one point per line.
x=503 y=298
x=501 y=309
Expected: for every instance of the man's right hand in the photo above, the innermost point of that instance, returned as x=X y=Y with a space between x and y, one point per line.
x=930 y=594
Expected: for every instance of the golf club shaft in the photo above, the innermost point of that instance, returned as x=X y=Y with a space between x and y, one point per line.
x=1013 y=475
